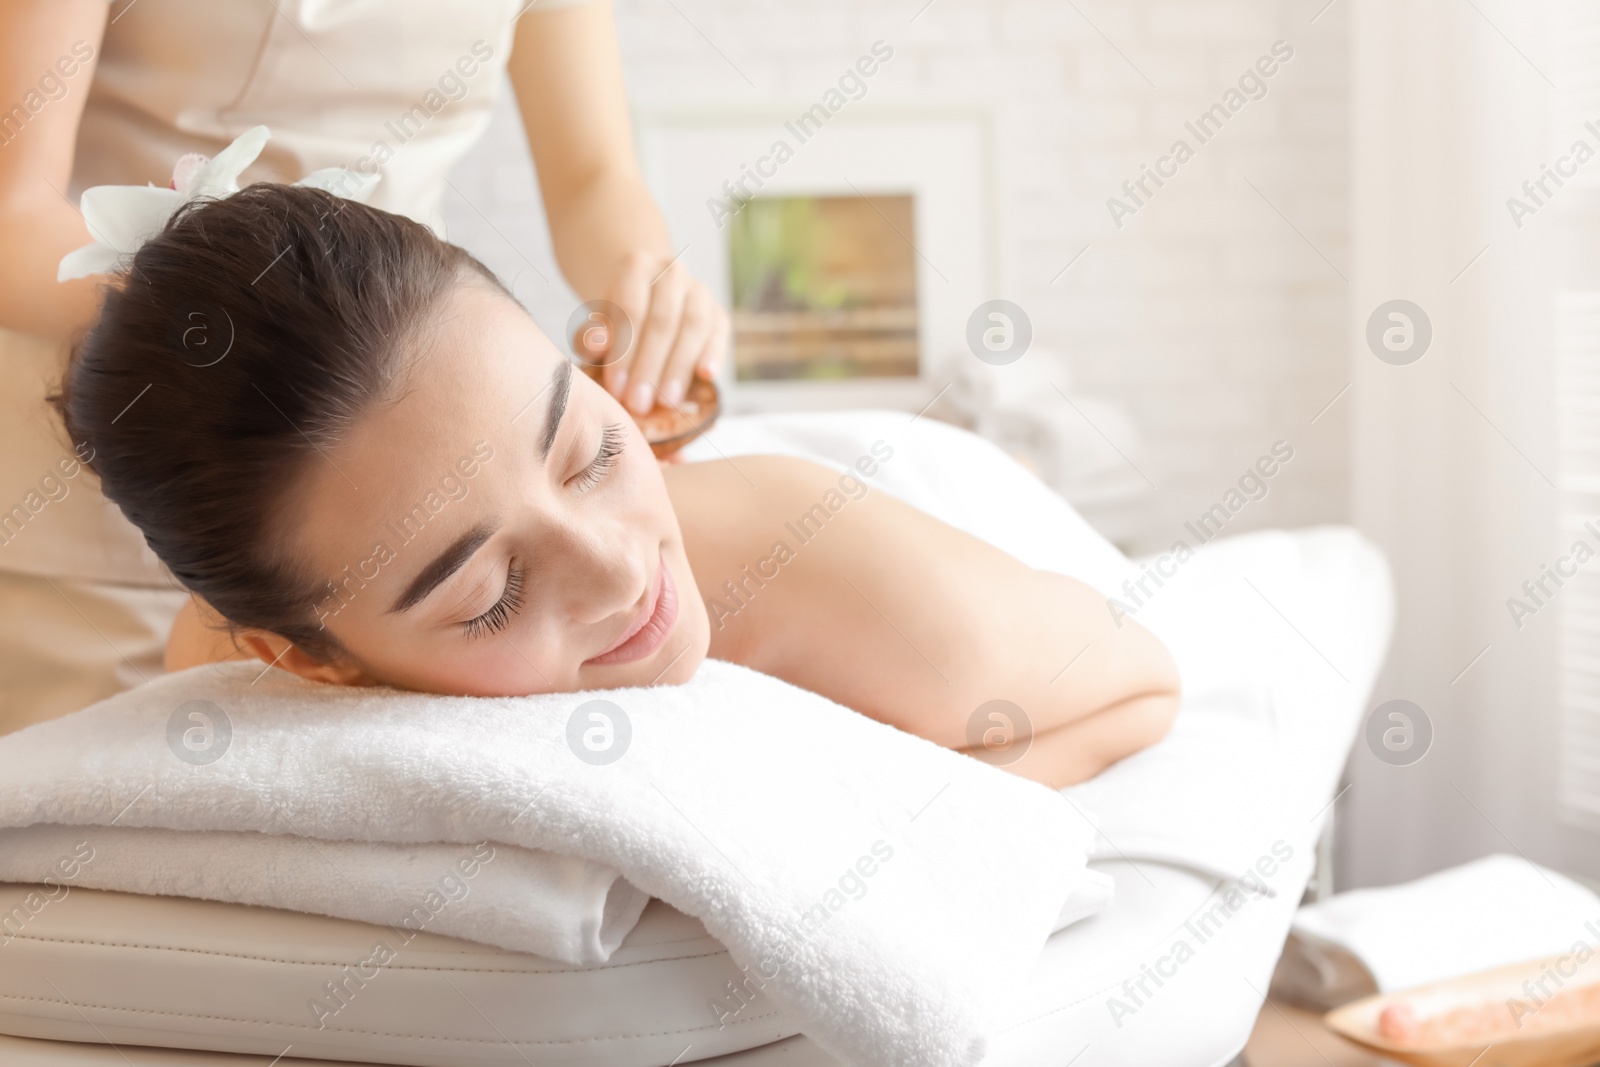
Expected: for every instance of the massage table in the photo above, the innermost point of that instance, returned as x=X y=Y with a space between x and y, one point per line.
x=97 y=979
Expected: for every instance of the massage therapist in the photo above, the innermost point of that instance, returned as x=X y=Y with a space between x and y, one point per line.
x=98 y=93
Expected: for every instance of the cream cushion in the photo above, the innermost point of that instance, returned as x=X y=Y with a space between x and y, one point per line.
x=167 y=971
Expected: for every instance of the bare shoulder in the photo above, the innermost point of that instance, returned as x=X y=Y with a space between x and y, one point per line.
x=822 y=578
x=770 y=476
x=732 y=508
x=826 y=580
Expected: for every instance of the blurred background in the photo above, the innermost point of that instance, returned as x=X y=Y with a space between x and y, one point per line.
x=1373 y=247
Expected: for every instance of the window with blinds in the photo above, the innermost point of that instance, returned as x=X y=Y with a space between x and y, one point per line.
x=1574 y=51
x=1577 y=341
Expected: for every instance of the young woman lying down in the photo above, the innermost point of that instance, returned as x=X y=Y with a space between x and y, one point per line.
x=369 y=466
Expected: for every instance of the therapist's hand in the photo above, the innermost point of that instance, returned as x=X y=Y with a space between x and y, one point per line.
x=675 y=330
x=607 y=233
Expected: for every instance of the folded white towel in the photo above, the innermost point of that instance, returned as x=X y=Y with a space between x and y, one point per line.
x=1491 y=912
x=820 y=846
x=563 y=907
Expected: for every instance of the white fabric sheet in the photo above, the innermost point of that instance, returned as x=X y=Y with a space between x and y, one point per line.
x=1094 y=999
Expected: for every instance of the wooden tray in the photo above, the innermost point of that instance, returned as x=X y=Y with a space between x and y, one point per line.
x=1574 y=1044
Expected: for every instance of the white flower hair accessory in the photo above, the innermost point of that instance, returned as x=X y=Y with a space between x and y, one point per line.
x=123 y=217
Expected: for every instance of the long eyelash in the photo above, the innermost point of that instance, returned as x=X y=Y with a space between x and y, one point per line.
x=612 y=438
x=494 y=620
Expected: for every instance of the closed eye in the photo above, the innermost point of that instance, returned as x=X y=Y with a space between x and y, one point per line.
x=494 y=620
x=612 y=440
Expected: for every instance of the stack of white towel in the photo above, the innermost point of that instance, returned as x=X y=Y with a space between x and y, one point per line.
x=891 y=894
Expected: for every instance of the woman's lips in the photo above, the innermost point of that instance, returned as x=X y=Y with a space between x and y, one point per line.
x=651 y=632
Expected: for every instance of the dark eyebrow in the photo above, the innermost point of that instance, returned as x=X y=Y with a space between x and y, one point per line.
x=454 y=557
x=444 y=565
x=562 y=381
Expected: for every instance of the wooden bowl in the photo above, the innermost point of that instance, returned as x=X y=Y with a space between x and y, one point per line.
x=669 y=428
x=1537 y=1042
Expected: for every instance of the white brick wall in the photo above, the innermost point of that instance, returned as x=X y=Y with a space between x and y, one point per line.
x=1208 y=317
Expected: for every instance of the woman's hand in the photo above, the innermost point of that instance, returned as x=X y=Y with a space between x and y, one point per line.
x=674 y=330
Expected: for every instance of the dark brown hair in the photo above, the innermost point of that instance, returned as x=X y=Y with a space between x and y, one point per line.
x=237 y=346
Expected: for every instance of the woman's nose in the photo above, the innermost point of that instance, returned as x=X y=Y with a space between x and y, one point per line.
x=600 y=572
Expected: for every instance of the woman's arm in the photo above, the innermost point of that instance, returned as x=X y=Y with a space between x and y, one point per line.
x=889 y=611
x=36 y=152
x=608 y=235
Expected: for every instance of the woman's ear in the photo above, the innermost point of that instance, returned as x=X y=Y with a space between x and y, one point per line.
x=276 y=651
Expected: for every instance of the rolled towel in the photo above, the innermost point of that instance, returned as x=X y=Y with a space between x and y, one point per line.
x=1489 y=913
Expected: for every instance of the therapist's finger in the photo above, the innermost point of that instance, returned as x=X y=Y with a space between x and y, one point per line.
x=656 y=335
x=630 y=291
x=716 y=346
x=694 y=331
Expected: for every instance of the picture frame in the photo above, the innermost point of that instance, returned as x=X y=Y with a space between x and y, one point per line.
x=699 y=163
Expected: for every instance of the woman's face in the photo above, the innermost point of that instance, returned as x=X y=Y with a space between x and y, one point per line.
x=501 y=528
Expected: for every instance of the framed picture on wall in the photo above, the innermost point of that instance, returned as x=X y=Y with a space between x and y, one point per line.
x=824 y=288
x=849 y=261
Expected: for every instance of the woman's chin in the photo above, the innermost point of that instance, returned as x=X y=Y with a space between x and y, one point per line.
x=685 y=666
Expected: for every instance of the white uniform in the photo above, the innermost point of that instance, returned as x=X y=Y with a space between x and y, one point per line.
x=402 y=86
